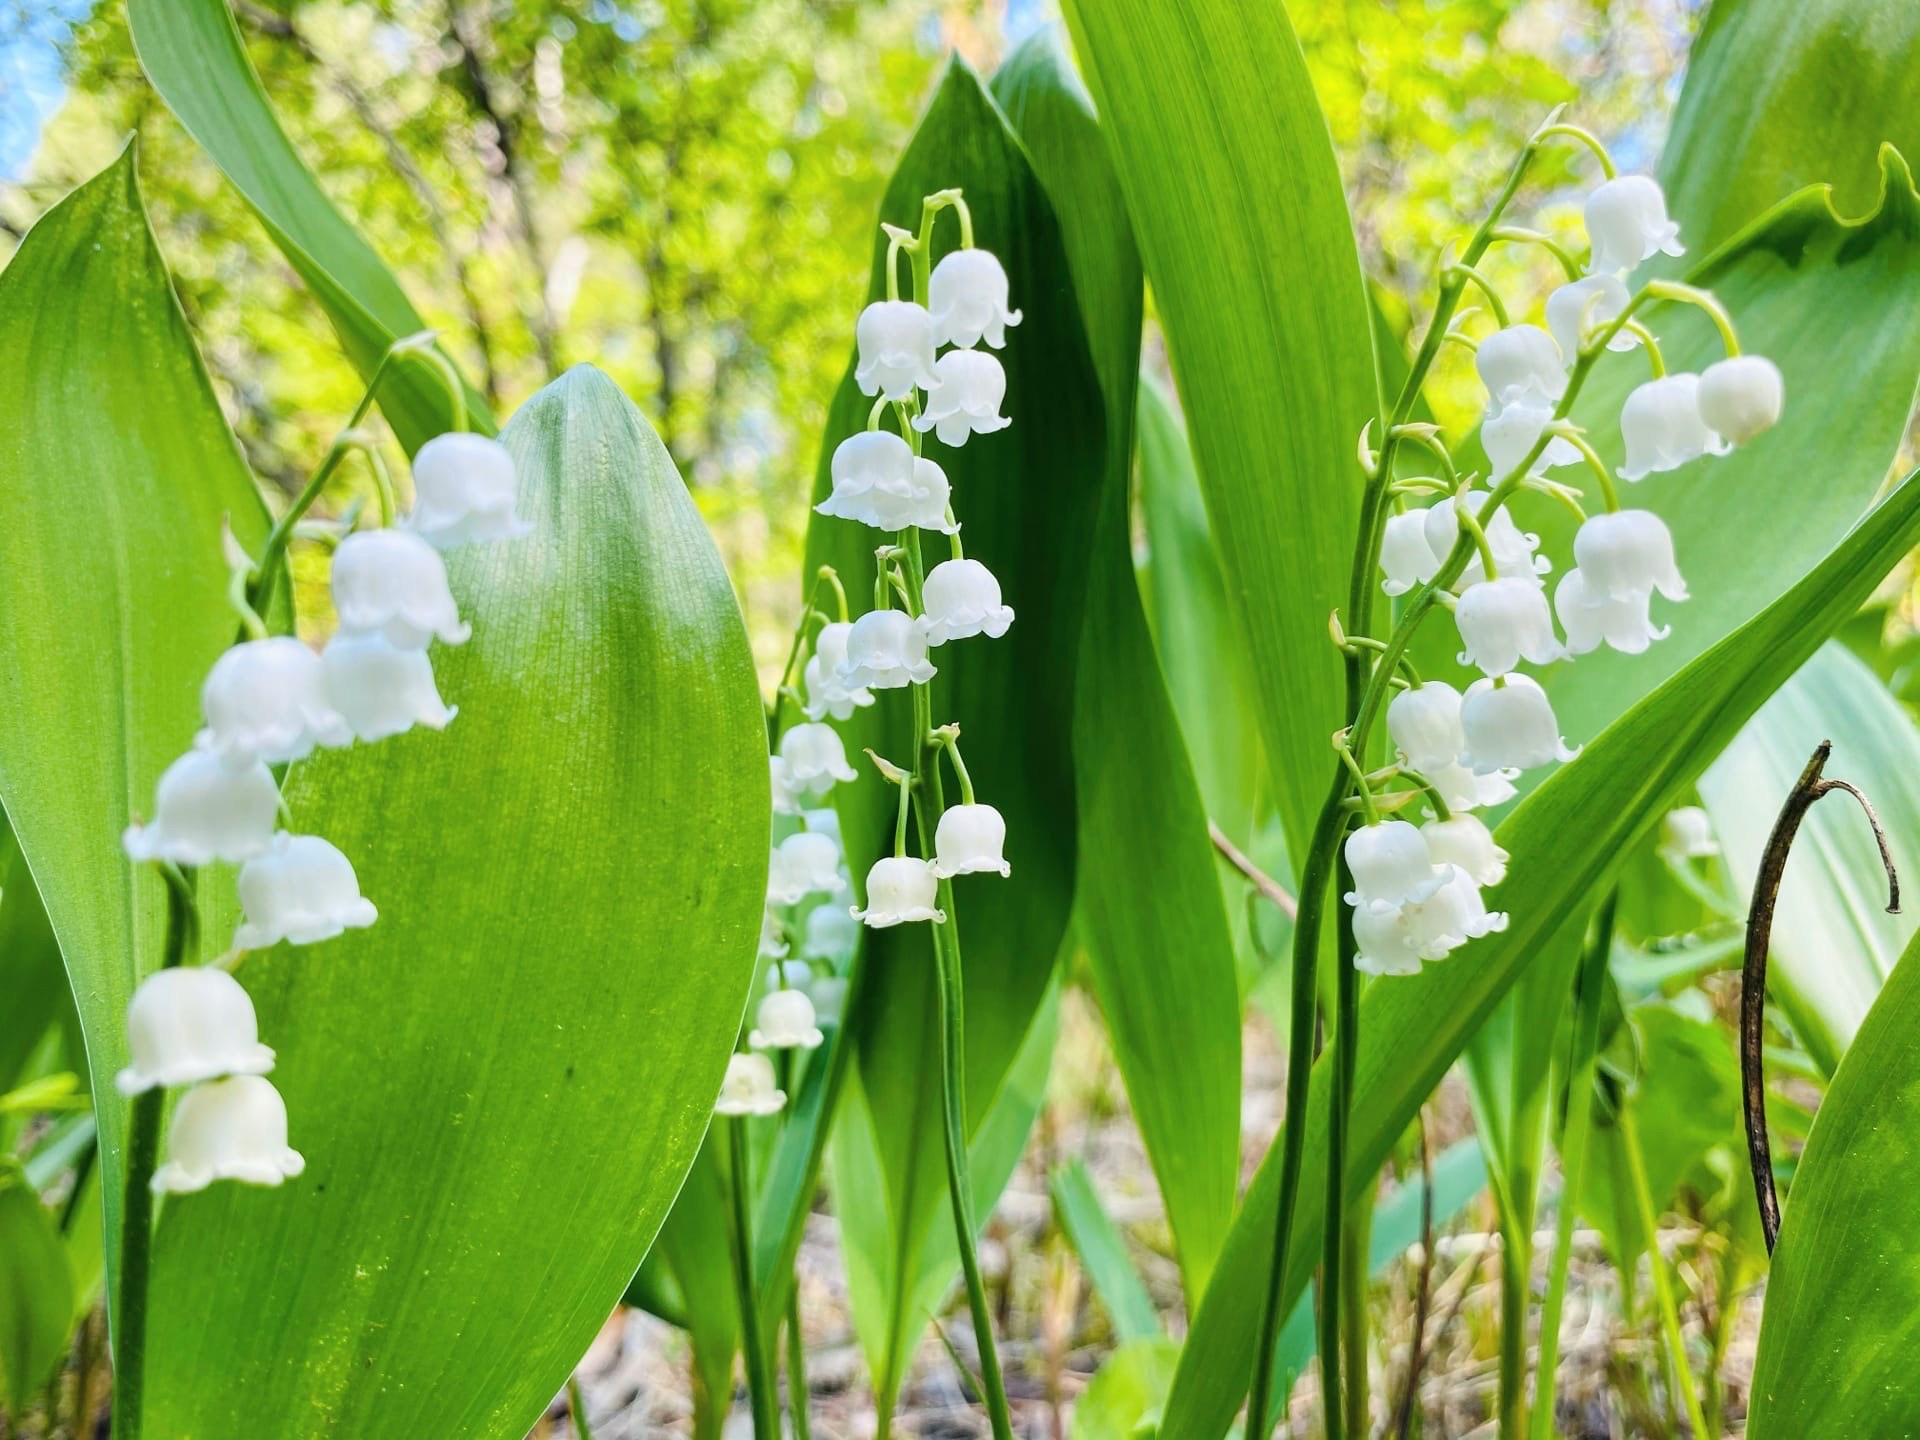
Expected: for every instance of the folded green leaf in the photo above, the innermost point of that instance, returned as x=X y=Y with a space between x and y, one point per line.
x=31 y=976
x=1103 y=1253
x=36 y=1292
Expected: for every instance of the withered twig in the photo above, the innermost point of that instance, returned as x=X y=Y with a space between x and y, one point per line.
x=1263 y=882
x=1753 y=980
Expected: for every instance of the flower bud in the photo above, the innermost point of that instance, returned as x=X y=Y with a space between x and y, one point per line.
x=962 y=598
x=803 y=865
x=204 y=811
x=267 y=700
x=187 y=1024
x=383 y=690
x=1625 y=553
x=302 y=891
x=1504 y=621
x=785 y=1021
x=1465 y=841
x=899 y=889
x=831 y=934
x=1686 y=833
x=896 y=344
x=1741 y=396
x=749 y=1087
x=1627 y=222
x=886 y=650
x=464 y=489
x=231 y=1129
x=966 y=399
x=1661 y=427
x=1509 y=433
x=1582 y=306
x=1521 y=364
x=1514 y=549
x=968 y=295
x=1592 y=620
x=1425 y=723
x=1406 y=558
x=815 y=758
x=968 y=841
x=393 y=584
x=1390 y=864
x=1510 y=726
x=821 y=678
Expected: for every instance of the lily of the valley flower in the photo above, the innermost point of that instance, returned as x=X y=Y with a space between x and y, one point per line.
x=1515 y=551
x=1425 y=723
x=896 y=344
x=831 y=934
x=966 y=398
x=815 y=758
x=749 y=1087
x=303 y=891
x=1454 y=915
x=205 y=810
x=901 y=889
x=785 y=1021
x=886 y=650
x=1384 y=941
x=464 y=490
x=393 y=584
x=1741 y=396
x=969 y=840
x=1686 y=833
x=1521 y=364
x=1390 y=865
x=967 y=293
x=1592 y=620
x=1582 y=306
x=1510 y=726
x=1406 y=558
x=267 y=700
x=878 y=481
x=1504 y=621
x=1661 y=427
x=786 y=795
x=381 y=689
x=1462 y=789
x=829 y=997
x=231 y=1129
x=1465 y=841
x=773 y=941
x=962 y=598
x=1627 y=553
x=1509 y=433
x=1627 y=222
x=826 y=694
x=802 y=865
x=187 y=1024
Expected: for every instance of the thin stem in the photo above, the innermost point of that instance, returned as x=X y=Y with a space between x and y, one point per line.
x=1402 y=1426
x=1485 y=287
x=797 y=1392
x=1354 y=1277
x=951 y=743
x=1704 y=300
x=1662 y=1282
x=1360 y=783
x=1272 y=889
x=1609 y=494
x=1656 y=359
x=577 y=1409
x=832 y=577
x=1339 y=1120
x=1583 y=137
x=1471 y=524
x=1519 y=235
x=753 y=1342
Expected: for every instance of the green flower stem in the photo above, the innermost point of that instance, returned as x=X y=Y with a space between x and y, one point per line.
x=1580 y=136
x=136 y=1206
x=797 y=1392
x=1487 y=292
x=753 y=1342
x=577 y=1409
x=1662 y=1282
x=1355 y=1276
x=1333 y=1257
x=1705 y=300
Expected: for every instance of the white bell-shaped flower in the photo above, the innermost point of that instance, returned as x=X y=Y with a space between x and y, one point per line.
x=831 y=934
x=231 y=1129
x=749 y=1087
x=1510 y=726
x=824 y=820
x=871 y=460
x=786 y=795
x=815 y=758
x=381 y=689
x=1580 y=307
x=1627 y=222
x=464 y=490
x=1508 y=435
x=205 y=810
x=1425 y=723
x=1661 y=427
x=1461 y=789
x=1515 y=551
x=1686 y=833
x=968 y=841
x=267 y=700
x=826 y=695
x=1592 y=620
x=886 y=650
x=773 y=939
x=1627 y=553
x=785 y=1021
x=302 y=891
x=962 y=598
x=1451 y=916
x=1384 y=941
x=1741 y=396
x=829 y=996
x=878 y=481
x=966 y=401
x=895 y=339
x=1390 y=864
x=1465 y=841
x=901 y=888
x=968 y=296
x=1521 y=364
x=393 y=584
x=1406 y=559
x=802 y=865
x=1503 y=622
x=187 y=1024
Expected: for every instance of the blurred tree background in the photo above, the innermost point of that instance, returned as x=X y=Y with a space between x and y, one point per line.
x=682 y=191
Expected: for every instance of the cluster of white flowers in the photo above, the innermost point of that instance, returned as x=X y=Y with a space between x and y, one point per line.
x=1416 y=893
x=270 y=701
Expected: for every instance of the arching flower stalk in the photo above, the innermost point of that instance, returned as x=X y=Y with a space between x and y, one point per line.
x=1414 y=892
x=270 y=700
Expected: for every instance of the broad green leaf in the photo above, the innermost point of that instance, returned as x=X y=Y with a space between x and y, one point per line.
x=1833 y=942
x=1146 y=892
x=31 y=976
x=500 y=1086
x=1565 y=841
x=1843 y=1301
x=1103 y=1253
x=36 y=1292
x=193 y=54
x=1126 y=1391
x=1237 y=206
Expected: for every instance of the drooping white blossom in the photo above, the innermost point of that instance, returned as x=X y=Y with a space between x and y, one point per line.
x=1452 y=916
x=802 y=865
x=1462 y=789
x=1510 y=726
x=393 y=584
x=1406 y=559
x=901 y=888
x=895 y=339
x=829 y=996
x=1521 y=364
x=205 y=810
x=1515 y=551
x=962 y=598
x=1627 y=222
x=1686 y=833
x=1384 y=941
x=1661 y=427
x=1465 y=841
x=969 y=840
x=831 y=933
x=785 y=1021
x=187 y=1024
x=1503 y=622
x=878 y=481
x=1591 y=620
x=464 y=490
x=815 y=758
x=1627 y=553
x=967 y=293
x=1583 y=306
x=381 y=689
x=303 y=890
x=267 y=700
x=231 y=1129
x=1390 y=865
x=786 y=795
x=826 y=695
x=773 y=940
x=1741 y=397
x=749 y=1087
x=1509 y=433
x=966 y=398
x=823 y=820
x=886 y=650
x=1424 y=722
